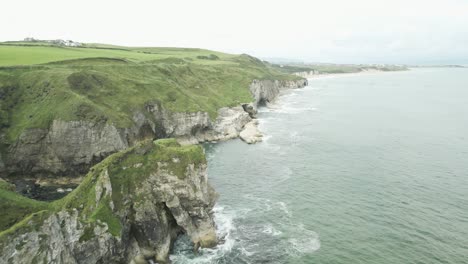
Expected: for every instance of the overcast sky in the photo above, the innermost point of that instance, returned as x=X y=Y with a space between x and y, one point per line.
x=359 y=31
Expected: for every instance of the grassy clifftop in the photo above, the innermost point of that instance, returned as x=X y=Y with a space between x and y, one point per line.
x=123 y=170
x=15 y=207
x=40 y=83
x=22 y=53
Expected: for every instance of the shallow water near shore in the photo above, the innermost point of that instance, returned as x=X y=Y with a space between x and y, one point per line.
x=368 y=168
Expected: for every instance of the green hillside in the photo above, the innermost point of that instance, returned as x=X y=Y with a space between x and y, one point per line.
x=28 y=54
x=14 y=206
x=40 y=83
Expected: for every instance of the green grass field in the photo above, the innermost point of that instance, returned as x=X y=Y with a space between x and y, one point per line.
x=12 y=55
x=40 y=83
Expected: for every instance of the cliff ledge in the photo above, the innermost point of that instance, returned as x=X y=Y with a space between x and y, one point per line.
x=129 y=209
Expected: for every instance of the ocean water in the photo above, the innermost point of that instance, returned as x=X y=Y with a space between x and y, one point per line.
x=369 y=168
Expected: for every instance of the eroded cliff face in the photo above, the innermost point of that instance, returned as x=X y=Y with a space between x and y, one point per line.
x=65 y=146
x=70 y=148
x=266 y=91
x=308 y=74
x=132 y=205
x=128 y=209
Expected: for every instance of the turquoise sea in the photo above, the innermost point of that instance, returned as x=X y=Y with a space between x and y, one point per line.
x=366 y=168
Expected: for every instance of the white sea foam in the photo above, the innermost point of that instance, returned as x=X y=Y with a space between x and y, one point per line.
x=267 y=229
x=288 y=95
x=273 y=147
x=271 y=230
x=246 y=252
x=224 y=229
x=210 y=156
x=294 y=110
x=264 y=203
x=305 y=240
x=266 y=138
x=264 y=109
x=261 y=222
x=277 y=232
x=283 y=207
x=305 y=245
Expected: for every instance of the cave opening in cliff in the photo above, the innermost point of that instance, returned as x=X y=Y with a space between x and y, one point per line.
x=262 y=102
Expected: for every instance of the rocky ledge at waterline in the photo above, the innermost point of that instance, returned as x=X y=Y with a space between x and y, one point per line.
x=72 y=147
x=129 y=209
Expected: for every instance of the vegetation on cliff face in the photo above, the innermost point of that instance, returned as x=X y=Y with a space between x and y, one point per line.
x=40 y=83
x=15 y=207
x=119 y=174
x=129 y=207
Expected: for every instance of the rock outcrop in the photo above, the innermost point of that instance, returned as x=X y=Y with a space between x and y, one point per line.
x=131 y=206
x=308 y=74
x=64 y=147
x=250 y=134
x=266 y=91
x=128 y=209
x=70 y=148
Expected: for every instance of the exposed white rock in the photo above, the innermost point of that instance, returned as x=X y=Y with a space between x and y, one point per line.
x=65 y=146
x=308 y=74
x=250 y=134
x=151 y=212
x=149 y=226
x=227 y=125
x=72 y=147
x=266 y=91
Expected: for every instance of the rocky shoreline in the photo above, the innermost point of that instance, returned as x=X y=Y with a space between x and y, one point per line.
x=72 y=147
x=130 y=208
x=132 y=205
